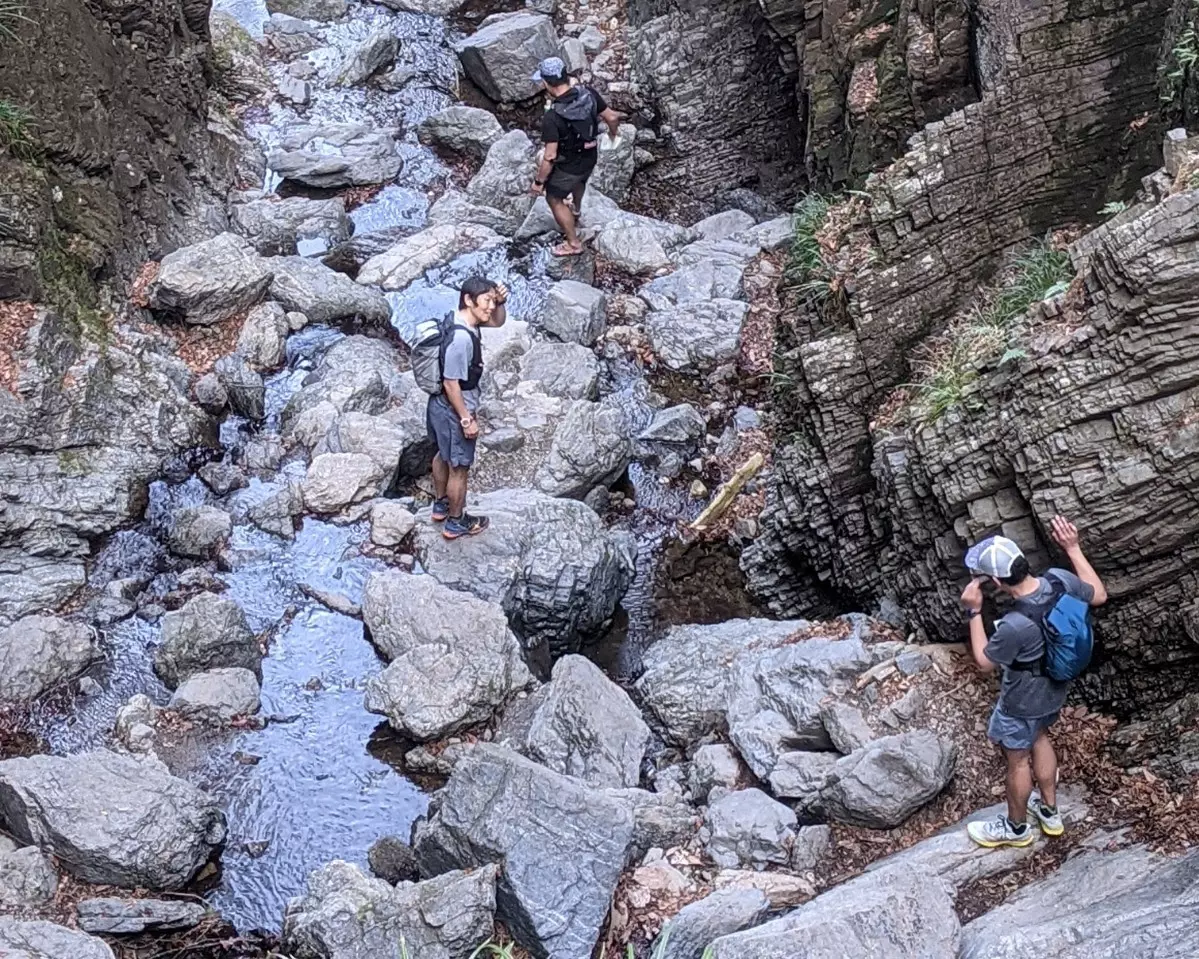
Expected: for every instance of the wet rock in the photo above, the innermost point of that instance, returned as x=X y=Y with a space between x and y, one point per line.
x=135 y=722
x=346 y=915
x=277 y=513
x=348 y=256
x=682 y=424
x=720 y=226
x=45 y=940
x=638 y=244
x=549 y=562
x=587 y=727
x=391 y=523
x=614 y=167
x=337 y=480
x=309 y=9
x=285 y=25
x=801 y=775
x=274 y=225
x=222 y=477
x=374 y=53
x=27 y=877
x=715 y=764
x=574 y=313
x=504 y=179
x=307 y=286
x=698 y=337
x=243 y=386
x=111 y=819
x=263 y=337
x=598 y=210
x=502 y=56
x=453 y=659
x=811 y=843
x=211 y=394
x=131 y=916
x=38 y=653
x=568 y=370
x=392 y=860
x=217 y=695
x=335 y=155
x=210 y=631
x=358 y=374
x=590 y=446
x=455 y=207
x=748 y=828
x=904 y=914
x=461 y=130
x=697 y=925
x=883 y=783
x=198 y=531
x=210 y=281
x=846 y=726
x=561 y=844
x=436 y=246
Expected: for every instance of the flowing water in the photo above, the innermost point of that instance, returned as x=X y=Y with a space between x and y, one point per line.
x=306 y=789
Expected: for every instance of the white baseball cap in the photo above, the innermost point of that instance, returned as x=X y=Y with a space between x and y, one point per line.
x=993 y=556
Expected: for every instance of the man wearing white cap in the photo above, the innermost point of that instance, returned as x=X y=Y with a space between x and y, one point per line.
x=1044 y=639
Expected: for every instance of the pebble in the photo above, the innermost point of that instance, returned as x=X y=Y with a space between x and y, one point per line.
x=699 y=490
x=89 y=687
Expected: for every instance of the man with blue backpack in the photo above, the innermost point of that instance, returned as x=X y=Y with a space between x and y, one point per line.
x=1042 y=644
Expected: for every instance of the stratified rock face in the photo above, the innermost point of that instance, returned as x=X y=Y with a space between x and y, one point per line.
x=1125 y=903
x=46 y=940
x=560 y=845
x=111 y=819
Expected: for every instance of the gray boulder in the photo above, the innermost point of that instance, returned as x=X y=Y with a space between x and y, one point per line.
x=210 y=631
x=697 y=337
x=347 y=915
x=810 y=846
x=210 y=281
x=707 y=279
x=370 y=56
x=748 y=828
x=217 y=695
x=434 y=8
x=503 y=181
x=274 y=225
x=453 y=659
x=801 y=775
x=883 y=783
x=907 y=914
x=590 y=447
x=715 y=764
x=501 y=57
x=455 y=207
x=309 y=9
x=721 y=226
x=303 y=285
x=573 y=313
x=111 y=819
x=680 y=425
x=614 y=167
x=46 y=940
x=587 y=727
x=567 y=370
x=660 y=820
x=334 y=155
x=263 y=337
x=197 y=531
x=560 y=845
x=698 y=925
x=846 y=726
x=638 y=244
x=243 y=386
x=550 y=563
x=337 y=480
x=378 y=437
x=27 y=877
x=598 y=210
x=391 y=523
x=211 y=394
x=132 y=916
x=411 y=257
x=38 y=653
x=276 y=514
x=461 y=130
x=771 y=236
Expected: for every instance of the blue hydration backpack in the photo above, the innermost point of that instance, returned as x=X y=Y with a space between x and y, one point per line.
x=1065 y=624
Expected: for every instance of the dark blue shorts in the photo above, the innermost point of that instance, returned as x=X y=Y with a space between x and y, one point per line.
x=445 y=429
x=1014 y=733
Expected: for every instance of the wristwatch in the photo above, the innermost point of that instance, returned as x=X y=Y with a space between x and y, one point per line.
x=537 y=182
x=466 y=421
x=971 y=613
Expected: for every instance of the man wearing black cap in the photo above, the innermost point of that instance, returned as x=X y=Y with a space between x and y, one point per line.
x=1029 y=699
x=570 y=132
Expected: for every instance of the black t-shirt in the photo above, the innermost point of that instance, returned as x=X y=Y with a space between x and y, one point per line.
x=556 y=129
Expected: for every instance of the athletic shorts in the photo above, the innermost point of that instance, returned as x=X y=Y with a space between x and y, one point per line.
x=445 y=429
x=560 y=184
x=1014 y=733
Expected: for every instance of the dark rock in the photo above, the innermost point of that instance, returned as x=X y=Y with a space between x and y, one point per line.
x=392 y=860
x=132 y=916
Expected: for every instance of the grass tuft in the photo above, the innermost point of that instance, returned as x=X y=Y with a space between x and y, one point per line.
x=806 y=268
x=14 y=130
x=12 y=14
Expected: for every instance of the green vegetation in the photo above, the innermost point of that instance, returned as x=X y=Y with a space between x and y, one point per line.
x=14 y=131
x=806 y=268
x=12 y=12
x=67 y=283
x=949 y=365
x=1115 y=208
x=1176 y=71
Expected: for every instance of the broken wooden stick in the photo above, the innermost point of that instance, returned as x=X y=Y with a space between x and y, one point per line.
x=727 y=493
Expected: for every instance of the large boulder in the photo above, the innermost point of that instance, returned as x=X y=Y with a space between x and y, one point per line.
x=274 y=224
x=111 y=819
x=243 y=386
x=367 y=58
x=210 y=281
x=550 y=563
x=358 y=374
x=347 y=915
x=217 y=695
x=560 y=845
x=586 y=726
x=566 y=370
x=598 y=210
x=748 y=828
x=697 y=337
x=503 y=181
x=453 y=659
x=38 y=653
x=38 y=939
x=210 y=631
x=883 y=783
x=263 y=338
x=381 y=438
x=573 y=313
x=335 y=155
x=456 y=208
x=591 y=447
x=337 y=480
x=904 y=914
x=698 y=924
x=502 y=56
x=461 y=130
x=303 y=285
x=27 y=877
x=197 y=531
x=639 y=244
x=436 y=246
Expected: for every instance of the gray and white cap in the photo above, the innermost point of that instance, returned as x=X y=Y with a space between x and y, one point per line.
x=550 y=70
x=993 y=556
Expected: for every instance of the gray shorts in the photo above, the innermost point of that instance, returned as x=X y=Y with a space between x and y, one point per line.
x=1014 y=733
x=445 y=429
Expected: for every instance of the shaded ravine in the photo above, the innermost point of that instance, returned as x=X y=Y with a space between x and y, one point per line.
x=305 y=789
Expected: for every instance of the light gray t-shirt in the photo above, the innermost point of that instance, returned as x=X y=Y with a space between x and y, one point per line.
x=1025 y=695
x=457 y=365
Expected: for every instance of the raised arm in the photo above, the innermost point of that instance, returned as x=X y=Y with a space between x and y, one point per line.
x=972 y=599
x=1066 y=534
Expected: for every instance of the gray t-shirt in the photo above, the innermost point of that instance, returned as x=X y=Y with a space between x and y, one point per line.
x=1025 y=695
x=457 y=365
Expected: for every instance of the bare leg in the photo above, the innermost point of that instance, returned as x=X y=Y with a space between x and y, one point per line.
x=1044 y=767
x=577 y=194
x=1019 y=784
x=456 y=490
x=441 y=475
x=566 y=222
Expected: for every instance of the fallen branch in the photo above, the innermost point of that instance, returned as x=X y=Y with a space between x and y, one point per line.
x=727 y=493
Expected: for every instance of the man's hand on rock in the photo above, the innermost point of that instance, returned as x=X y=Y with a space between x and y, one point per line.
x=1065 y=532
x=972 y=596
